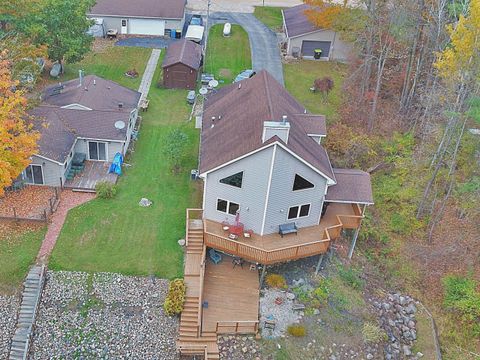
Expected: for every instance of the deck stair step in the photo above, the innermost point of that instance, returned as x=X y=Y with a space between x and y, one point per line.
x=33 y=286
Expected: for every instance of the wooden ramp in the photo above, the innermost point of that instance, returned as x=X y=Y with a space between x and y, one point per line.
x=191 y=340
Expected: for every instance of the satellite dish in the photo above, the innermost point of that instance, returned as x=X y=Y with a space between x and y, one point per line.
x=203 y=91
x=213 y=83
x=119 y=125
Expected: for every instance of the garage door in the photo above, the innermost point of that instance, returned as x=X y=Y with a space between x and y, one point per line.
x=146 y=27
x=309 y=46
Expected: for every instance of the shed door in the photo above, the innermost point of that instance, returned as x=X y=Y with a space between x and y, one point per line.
x=146 y=27
x=308 y=47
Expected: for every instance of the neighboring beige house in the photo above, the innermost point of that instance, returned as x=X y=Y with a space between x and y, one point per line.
x=303 y=37
x=89 y=118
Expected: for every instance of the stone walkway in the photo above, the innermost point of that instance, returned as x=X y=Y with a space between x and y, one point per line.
x=148 y=74
x=32 y=290
x=68 y=200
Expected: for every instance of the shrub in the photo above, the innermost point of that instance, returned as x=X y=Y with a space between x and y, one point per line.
x=175 y=298
x=276 y=281
x=372 y=333
x=351 y=277
x=105 y=189
x=462 y=296
x=297 y=330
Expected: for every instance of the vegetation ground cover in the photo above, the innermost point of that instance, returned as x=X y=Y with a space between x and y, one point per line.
x=227 y=56
x=299 y=78
x=117 y=235
x=19 y=245
x=270 y=16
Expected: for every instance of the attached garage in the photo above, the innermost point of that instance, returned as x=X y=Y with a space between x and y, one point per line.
x=141 y=17
x=309 y=46
x=303 y=37
x=146 y=27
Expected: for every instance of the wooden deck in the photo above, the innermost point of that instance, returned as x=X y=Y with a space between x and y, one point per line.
x=272 y=248
x=94 y=172
x=233 y=297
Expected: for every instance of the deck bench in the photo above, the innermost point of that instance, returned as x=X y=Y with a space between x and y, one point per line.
x=298 y=307
x=289 y=228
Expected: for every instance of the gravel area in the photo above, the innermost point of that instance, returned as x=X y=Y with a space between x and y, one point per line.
x=282 y=313
x=104 y=316
x=9 y=306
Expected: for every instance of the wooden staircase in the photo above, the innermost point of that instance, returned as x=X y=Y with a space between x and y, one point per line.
x=191 y=340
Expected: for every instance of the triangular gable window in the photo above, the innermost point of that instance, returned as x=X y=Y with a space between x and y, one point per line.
x=301 y=183
x=233 y=180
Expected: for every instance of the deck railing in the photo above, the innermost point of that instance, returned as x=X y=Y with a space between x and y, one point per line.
x=193 y=350
x=200 y=293
x=294 y=252
x=236 y=327
x=191 y=214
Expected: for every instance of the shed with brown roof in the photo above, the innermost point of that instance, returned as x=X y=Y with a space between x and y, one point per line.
x=182 y=64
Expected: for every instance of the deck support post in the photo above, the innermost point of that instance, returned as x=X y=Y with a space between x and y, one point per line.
x=262 y=276
x=354 y=241
x=319 y=264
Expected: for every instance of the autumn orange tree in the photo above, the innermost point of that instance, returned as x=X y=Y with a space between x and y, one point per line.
x=17 y=135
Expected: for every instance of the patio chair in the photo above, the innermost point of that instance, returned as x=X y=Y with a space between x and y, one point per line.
x=290 y=228
x=214 y=256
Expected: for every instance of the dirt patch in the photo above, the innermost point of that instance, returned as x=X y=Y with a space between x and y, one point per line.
x=29 y=202
x=102 y=45
x=225 y=73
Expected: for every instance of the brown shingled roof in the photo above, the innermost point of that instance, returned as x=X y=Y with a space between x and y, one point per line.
x=167 y=9
x=313 y=124
x=104 y=95
x=352 y=186
x=240 y=111
x=184 y=51
x=61 y=127
x=297 y=22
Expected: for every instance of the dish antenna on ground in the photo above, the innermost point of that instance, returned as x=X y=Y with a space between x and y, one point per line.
x=213 y=83
x=203 y=91
x=119 y=125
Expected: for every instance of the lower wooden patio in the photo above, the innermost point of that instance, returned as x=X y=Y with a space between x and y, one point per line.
x=233 y=296
x=94 y=172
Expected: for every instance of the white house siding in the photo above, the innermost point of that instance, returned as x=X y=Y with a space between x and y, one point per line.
x=112 y=147
x=251 y=197
x=282 y=197
x=114 y=22
x=339 y=49
x=52 y=172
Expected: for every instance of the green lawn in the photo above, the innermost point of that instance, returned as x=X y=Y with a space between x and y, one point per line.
x=227 y=56
x=118 y=235
x=299 y=78
x=18 y=249
x=270 y=16
x=112 y=63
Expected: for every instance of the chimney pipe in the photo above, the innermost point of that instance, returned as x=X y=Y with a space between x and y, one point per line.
x=284 y=119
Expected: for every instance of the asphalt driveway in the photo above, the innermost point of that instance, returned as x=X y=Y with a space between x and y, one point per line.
x=146 y=42
x=263 y=41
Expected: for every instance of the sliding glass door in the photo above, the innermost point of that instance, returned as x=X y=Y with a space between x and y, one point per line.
x=34 y=174
x=97 y=150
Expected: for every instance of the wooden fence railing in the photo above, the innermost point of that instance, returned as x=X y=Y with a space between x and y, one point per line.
x=294 y=252
x=200 y=292
x=191 y=214
x=193 y=350
x=42 y=216
x=236 y=327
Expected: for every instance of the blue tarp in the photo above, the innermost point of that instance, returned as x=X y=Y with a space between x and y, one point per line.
x=116 y=166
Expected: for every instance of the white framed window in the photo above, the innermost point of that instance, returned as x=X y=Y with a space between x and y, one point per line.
x=227 y=207
x=298 y=211
x=33 y=174
x=97 y=150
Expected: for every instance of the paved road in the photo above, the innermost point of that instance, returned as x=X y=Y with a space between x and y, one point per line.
x=263 y=42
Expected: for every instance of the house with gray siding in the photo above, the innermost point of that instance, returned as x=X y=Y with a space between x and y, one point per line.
x=303 y=37
x=141 y=17
x=263 y=166
x=88 y=118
